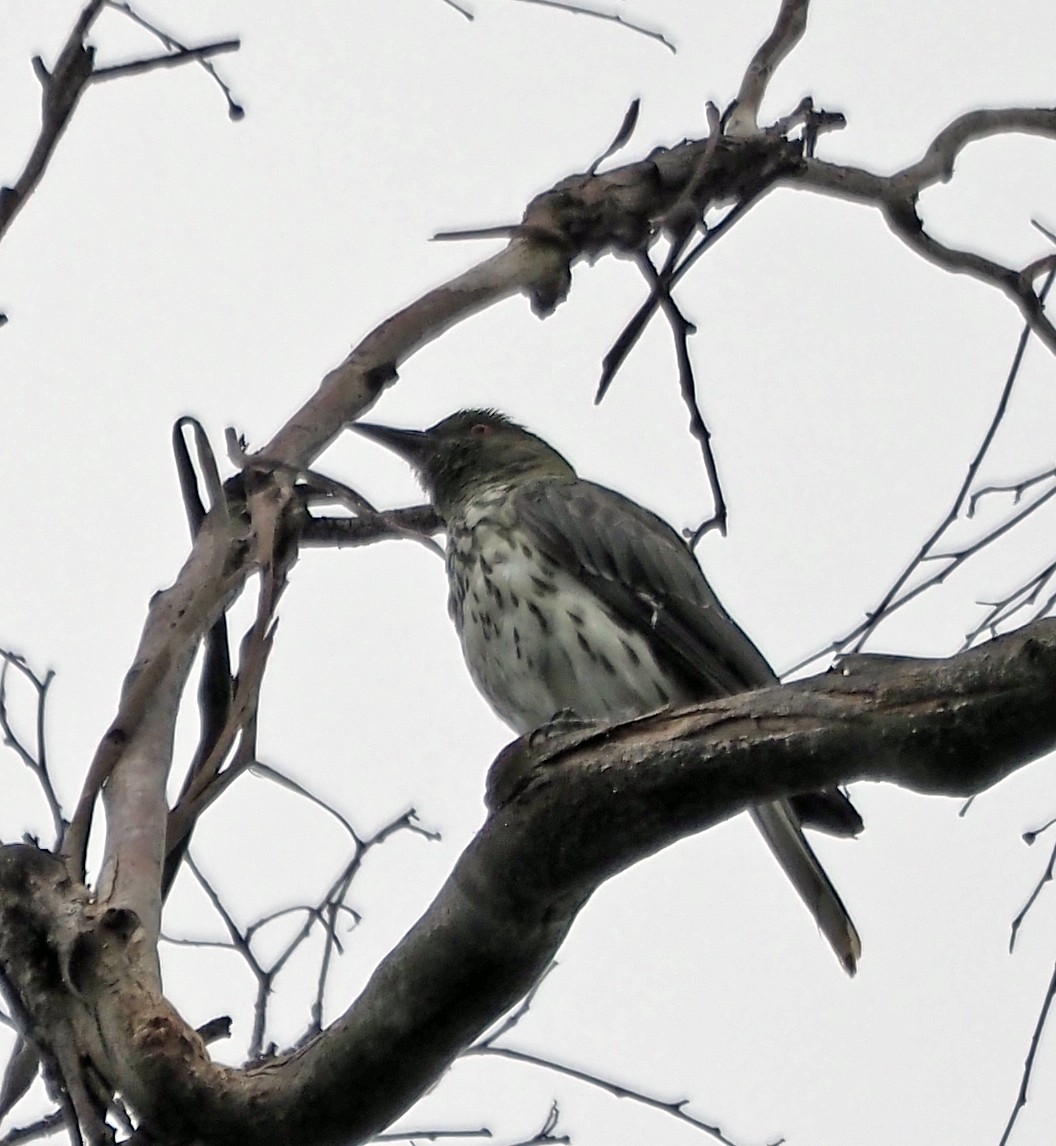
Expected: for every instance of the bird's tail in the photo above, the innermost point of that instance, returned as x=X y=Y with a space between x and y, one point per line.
x=780 y=827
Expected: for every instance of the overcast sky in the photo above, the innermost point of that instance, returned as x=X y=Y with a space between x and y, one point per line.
x=174 y=262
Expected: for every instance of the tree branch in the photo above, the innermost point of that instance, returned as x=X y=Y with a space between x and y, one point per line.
x=566 y=813
x=896 y=196
x=788 y=30
x=63 y=86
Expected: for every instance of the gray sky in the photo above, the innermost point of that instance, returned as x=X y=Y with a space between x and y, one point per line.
x=174 y=262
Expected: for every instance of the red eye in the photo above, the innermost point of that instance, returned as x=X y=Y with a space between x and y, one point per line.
x=480 y=429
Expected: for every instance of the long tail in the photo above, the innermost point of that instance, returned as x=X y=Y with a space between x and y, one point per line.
x=780 y=827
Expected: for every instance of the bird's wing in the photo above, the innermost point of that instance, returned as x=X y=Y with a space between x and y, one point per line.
x=646 y=574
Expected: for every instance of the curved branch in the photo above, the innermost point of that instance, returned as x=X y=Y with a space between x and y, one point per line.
x=936 y=165
x=896 y=196
x=566 y=813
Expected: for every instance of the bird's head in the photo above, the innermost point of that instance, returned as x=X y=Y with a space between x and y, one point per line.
x=467 y=453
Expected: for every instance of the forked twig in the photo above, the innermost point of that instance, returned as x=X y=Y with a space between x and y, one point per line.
x=896 y=596
x=35 y=759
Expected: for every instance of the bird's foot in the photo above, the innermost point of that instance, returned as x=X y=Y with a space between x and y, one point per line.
x=560 y=724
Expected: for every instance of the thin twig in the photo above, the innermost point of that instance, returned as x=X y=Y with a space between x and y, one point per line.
x=614 y=17
x=36 y=760
x=630 y=334
x=1046 y=877
x=545 y=1136
x=1002 y=611
x=243 y=947
x=676 y=1109
x=1028 y=1065
x=170 y=60
x=459 y=9
x=682 y=328
x=325 y=913
x=523 y=1007
x=432 y=1135
x=894 y=598
x=234 y=108
x=626 y=130
x=487 y=1046
x=1017 y=489
x=335 y=898
x=74 y=71
x=284 y=781
x=61 y=89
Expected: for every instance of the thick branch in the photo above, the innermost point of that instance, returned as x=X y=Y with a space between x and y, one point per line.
x=565 y=814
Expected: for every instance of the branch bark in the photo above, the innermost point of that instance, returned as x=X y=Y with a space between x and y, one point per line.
x=565 y=813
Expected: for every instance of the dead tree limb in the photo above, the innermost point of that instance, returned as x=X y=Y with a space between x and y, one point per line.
x=566 y=813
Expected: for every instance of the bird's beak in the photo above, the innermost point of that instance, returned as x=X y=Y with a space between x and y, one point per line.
x=411 y=445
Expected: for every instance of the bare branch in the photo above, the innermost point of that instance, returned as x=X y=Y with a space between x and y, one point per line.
x=60 y=91
x=895 y=596
x=216 y=685
x=1046 y=877
x=284 y=781
x=545 y=1136
x=614 y=17
x=170 y=60
x=788 y=30
x=1028 y=1066
x=432 y=1135
x=74 y=71
x=676 y=1108
x=896 y=196
x=936 y=165
x=459 y=9
x=241 y=944
x=234 y=109
x=36 y=759
x=389 y=524
x=610 y=795
x=682 y=328
x=626 y=130
x=1005 y=610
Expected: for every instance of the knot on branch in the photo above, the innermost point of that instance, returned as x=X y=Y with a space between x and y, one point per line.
x=623 y=209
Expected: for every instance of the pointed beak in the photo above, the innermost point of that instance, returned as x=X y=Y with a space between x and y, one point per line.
x=413 y=446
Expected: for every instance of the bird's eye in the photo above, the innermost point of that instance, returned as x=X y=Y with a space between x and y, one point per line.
x=480 y=429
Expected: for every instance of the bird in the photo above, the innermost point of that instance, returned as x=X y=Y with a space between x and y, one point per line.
x=573 y=601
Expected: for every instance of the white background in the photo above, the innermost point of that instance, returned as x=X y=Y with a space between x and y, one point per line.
x=175 y=262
